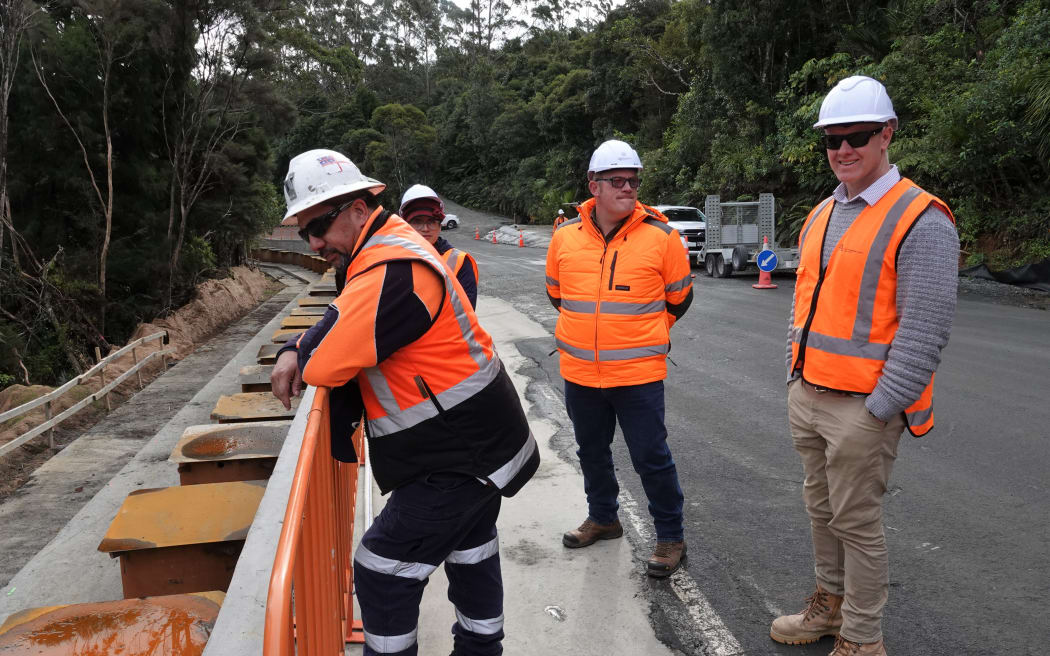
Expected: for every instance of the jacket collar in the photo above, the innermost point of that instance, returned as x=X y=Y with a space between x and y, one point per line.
x=373 y=225
x=640 y=213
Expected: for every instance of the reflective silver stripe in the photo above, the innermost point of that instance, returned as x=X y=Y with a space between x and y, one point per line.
x=483 y=627
x=583 y=307
x=840 y=346
x=451 y=256
x=476 y=352
x=802 y=239
x=575 y=351
x=369 y=560
x=382 y=390
x=679 y=285
x=475 y=555
x=553 y=282
x=502 y=476
x=390 y=644
x=611 y=355
x=869 y=282
x=919 y=417
x=610 y=307
x=613 y=307
x=397 y=419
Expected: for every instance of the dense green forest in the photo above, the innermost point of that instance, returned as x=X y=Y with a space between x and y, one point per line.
x=142 y=142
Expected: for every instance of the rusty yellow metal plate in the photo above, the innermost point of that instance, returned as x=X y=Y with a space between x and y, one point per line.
x=183 y=515
x=316 y=301
x=255 y=377
x=309 y=311
x=299 y=321
x=267 y=353
x=284 y=334
x=251 y=406
x=321 y=289
x=171 y=625
x=237 y=441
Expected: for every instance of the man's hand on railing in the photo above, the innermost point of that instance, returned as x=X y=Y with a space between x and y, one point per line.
x=285 y=380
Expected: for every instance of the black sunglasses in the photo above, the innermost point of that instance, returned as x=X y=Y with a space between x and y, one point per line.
x=319 y=226
x=854 y=139
x=618 y=182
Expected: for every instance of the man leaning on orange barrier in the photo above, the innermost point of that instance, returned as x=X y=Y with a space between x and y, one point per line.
x=447 y=434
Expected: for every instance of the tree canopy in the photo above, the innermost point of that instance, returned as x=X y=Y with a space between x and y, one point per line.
x=143 y=142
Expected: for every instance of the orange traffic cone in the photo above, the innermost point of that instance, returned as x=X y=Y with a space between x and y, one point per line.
x=477 y=234
x=765 y=280
x=521 y=239
x=494 y=237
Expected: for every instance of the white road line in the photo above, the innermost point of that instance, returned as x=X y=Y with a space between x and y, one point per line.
x=716 y=635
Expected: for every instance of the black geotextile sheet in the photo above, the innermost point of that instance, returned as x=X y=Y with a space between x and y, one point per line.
x=1035 y=275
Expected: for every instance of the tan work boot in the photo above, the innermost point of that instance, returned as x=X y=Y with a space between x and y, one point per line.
x=590 y=532
x=822 y=616
x=845 y=647
x=666 y=559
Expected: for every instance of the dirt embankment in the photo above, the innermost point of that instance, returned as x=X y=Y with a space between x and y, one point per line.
x=217 y=303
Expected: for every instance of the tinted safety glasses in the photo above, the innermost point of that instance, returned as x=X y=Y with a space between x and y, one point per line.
x=424 y=221
x=854 y=139
x=319 y=226
x=618 y=182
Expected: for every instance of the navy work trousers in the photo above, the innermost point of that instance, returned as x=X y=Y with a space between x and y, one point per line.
x=639 y=409
x=444 y=518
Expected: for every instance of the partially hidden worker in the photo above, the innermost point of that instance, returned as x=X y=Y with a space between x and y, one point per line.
x=446 y=432
x=620 y=278
x=424 y=210
x=560 y=219
x=873 y=307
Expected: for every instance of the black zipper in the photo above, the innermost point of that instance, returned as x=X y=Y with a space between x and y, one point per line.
x=612 y=269
x=427 y=393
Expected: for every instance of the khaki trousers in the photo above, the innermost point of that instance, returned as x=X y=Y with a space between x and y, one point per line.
x=847 y=455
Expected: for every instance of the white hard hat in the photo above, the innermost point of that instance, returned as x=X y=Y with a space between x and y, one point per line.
x=561 y=211
x=415 y=192
x=319 y=175
x=857 y=99
x=614 y=154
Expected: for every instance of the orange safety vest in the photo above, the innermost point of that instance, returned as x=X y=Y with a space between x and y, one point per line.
x=444 y=402
x=846 y=314
x=456 y=258
x=617 y=300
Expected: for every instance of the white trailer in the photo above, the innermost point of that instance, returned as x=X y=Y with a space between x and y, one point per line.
x=735 y=236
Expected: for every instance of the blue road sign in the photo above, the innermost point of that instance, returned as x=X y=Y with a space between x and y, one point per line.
x=767 y=261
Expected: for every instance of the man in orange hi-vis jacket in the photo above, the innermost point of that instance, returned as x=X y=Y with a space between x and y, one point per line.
x=447 y=435
x=620 y=278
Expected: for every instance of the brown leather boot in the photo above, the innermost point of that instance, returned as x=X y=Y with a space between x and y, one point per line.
x=590 y=532
x=822 y=616
x=666 y=559
x=845 y=647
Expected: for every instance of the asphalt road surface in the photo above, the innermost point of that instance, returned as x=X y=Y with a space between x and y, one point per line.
x=968 y=514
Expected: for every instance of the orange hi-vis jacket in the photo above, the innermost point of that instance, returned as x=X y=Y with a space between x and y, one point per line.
x=441 y=403
x=617 y=300
x=455 y=259
x=846 y=314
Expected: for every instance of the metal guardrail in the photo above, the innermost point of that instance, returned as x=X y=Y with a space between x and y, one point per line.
x=312 y=565
x=98 y=370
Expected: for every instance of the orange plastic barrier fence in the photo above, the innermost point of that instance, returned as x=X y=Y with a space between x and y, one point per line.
x=309 y=608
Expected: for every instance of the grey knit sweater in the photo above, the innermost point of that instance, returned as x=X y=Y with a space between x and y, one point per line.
x=927 y=282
